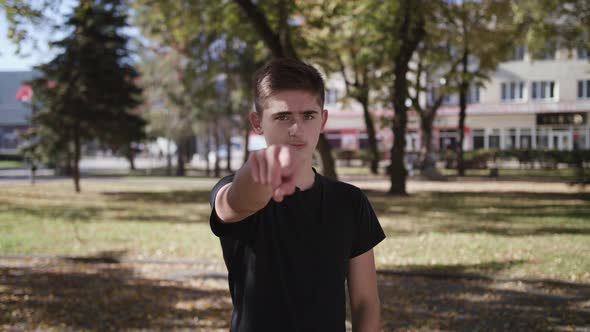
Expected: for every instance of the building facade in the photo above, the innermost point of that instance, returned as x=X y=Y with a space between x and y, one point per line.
x=14 y=113
x=541 y=103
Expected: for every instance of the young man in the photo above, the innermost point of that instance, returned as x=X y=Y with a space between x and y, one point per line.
x=291 y=237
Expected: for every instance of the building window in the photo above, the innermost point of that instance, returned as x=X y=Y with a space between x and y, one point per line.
x=543 y=90
x=448 y=99
x=580 y=139
x=542 y=139
x=478 y=139
x=584 y=89
x=334 y=139
x=494 y=139
x=473 y=95
x=512 y=91
x=582 y=52
x=547 y=53
x=510 y=139
x=525 y=139
x=363 y=141
x=447 y=139
x=517 y=54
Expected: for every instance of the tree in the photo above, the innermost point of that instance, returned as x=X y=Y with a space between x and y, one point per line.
x=484 y=33
x=401 y=36
x=341 y=39
x=213 y=57
x=86 y=91
x=430 y=89
x=280 y=43
x=434 y=65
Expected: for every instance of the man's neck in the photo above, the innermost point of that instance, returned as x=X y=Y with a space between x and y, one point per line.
x=305 y=177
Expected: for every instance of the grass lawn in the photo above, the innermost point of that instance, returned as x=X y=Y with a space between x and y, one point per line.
x=567 y=174
x=512 y=234
x=10 y=164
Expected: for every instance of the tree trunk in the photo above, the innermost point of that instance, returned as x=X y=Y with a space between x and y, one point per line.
x=397 y=170
x=189 y=150
x=76 y=160
x=168 y=158
x=216 y=168
x=463 y=90
x=228 y=157
x=428 y=168
x=208 y=151
x=409 y=33
x=328 y=164
x=246 y=142
x=180 y=152
x=373 y=151
x=426 y=158
x=130 y=157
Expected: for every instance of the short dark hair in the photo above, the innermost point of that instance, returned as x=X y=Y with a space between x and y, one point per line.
x=286 y=74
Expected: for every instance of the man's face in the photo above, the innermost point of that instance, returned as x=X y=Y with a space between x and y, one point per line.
x=291 y=117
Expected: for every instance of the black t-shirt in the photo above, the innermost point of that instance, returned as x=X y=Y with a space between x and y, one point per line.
x=287 y=263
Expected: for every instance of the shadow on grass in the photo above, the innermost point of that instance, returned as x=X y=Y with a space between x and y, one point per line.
x=66 y=212
x=131 y=210
x=498 y=213
x=431 y=302
x=103 y=257
x=105 y=298
x=461 y=270
x=166 y=197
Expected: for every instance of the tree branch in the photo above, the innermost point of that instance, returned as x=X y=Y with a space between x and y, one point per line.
x=269 y=37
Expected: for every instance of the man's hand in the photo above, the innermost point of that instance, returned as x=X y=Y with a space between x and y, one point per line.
x=275 y=166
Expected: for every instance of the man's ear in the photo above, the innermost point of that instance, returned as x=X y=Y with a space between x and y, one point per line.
x=324 y=119
x=255 y=121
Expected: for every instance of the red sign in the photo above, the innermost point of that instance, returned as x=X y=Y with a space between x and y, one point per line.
x=24 y=93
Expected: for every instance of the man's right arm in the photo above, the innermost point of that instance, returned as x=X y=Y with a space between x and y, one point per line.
x=265 y=175
x=241 y=198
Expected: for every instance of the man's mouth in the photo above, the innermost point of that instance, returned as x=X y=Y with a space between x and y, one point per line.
x=298 y=145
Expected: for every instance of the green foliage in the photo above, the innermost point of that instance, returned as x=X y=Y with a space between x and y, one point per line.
x=88 y=91
x=24 y=17
x=485 y=31
x=565 y=23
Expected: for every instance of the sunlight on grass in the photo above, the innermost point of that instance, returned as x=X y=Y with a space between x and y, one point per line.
x=515 y=234
x=536 y=235
x=49 y=218
x=10 y=163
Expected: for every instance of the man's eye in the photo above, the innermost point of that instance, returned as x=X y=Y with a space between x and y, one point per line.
x=282 y=117
x=308 y=117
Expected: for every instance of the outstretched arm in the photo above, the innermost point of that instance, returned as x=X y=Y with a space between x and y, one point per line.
x=267 y=174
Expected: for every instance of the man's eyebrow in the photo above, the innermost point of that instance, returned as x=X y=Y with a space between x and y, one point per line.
x=290 y=112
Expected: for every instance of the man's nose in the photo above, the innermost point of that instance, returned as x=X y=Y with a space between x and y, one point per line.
x=296 y=128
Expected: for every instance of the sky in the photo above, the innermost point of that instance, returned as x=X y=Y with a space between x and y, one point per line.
x=9 y=61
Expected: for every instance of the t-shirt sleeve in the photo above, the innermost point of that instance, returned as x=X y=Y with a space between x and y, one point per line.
x=234 y=229
x=367 y=230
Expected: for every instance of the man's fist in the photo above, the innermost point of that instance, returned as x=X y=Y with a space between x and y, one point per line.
x=275 y=166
